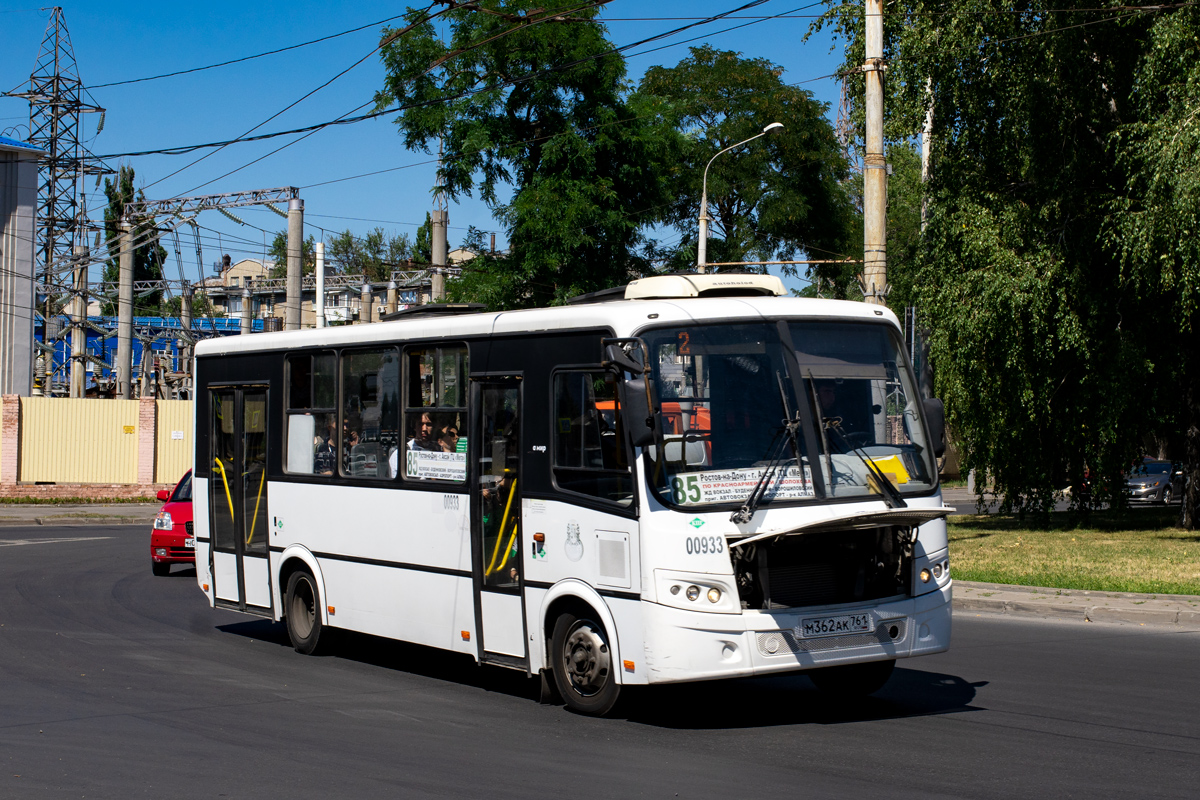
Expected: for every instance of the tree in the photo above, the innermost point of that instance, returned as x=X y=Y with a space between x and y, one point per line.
x=1153 y=225
x=374 y=255
x=148 y=255
x=422 y=250
x=201 y=306
x=773 y=199
x=279 y=254
x=1044 y=361
x=529 y=94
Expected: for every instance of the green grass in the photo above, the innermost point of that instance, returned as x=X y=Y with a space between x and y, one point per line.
x=1136 y=550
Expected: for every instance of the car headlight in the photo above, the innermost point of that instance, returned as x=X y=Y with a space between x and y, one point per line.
x=162 y=522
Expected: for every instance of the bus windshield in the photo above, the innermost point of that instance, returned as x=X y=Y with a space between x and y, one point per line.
x=727 y=393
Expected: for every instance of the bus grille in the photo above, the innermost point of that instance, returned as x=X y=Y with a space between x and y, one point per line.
x=803 y=585
x=785 y=643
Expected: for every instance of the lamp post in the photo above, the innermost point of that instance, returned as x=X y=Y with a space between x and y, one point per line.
x=702 y=246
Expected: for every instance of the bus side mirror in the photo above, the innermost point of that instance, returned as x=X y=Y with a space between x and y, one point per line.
x=635 y=411
x=615 y=354
x=935 y=416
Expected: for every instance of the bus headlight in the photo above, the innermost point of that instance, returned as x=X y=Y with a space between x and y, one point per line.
x=933 y=572
x=690 y=591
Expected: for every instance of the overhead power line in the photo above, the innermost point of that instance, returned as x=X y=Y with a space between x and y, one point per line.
x=247 y=58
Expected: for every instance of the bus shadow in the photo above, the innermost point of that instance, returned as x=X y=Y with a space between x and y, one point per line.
x=413 y=659
x=793 y=700
x=708 y=705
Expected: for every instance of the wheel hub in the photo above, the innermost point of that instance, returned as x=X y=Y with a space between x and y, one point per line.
x=587 y=659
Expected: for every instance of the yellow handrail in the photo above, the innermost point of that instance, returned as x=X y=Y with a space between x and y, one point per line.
x=503 y=524
x=225 y=481
x=262 y=478
x=508 y=547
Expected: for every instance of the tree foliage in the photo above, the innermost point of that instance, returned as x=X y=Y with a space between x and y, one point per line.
x=772 y=199
x=374 y=255
x=279 y=255
x=1154 y=226
x=148 y=254
x=529 y=95
x=1049 y=364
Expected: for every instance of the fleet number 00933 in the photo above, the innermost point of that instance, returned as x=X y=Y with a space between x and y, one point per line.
x=705 y=544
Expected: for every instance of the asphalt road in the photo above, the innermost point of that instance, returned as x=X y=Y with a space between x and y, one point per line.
x=116 y=684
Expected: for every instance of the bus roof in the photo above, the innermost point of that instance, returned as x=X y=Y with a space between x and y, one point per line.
x=623 y=317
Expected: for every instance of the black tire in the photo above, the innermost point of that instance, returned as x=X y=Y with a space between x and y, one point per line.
x=302 y=612
x=1166 y=495
x=853 y=680
x=582 y=664
x=160 y=569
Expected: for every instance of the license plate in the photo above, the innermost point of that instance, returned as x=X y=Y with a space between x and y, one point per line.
x=834 y=626
x=190 y=542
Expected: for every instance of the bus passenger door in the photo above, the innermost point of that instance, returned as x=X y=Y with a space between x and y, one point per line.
x=237 y=494
x=496 y=519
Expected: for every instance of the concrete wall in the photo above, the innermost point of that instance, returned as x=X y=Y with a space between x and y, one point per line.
x=18 y=213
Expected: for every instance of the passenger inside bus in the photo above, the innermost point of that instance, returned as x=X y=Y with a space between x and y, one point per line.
x=421 y=436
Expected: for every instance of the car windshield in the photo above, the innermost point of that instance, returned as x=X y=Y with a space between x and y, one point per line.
x=726 y=392
x=1154 y=468
x=183 y=492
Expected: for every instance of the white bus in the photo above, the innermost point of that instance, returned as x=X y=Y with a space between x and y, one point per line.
x=687 y=478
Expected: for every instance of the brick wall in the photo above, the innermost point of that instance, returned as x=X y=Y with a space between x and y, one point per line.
x=84 y=491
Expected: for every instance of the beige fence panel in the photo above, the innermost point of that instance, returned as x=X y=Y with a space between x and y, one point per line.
x=78 y=441
x=173 y=450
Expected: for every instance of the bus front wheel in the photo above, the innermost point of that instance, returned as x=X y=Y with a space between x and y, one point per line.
x=582 y=665
x=853 y=680
x=303 y=612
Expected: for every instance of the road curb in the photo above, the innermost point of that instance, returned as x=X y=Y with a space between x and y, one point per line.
x=1078 y=605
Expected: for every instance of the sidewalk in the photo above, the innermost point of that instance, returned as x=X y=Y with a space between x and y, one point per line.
x=1076 y=604
x=83 y=514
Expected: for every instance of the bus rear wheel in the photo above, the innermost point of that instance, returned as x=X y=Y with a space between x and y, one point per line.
x=582 y=665
x=853 y=680
x=302 y=612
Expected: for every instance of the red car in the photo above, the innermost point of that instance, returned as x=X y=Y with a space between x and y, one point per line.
x=172 y=540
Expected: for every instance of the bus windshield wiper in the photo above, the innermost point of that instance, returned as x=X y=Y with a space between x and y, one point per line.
x=889 y=493
x=790 y=425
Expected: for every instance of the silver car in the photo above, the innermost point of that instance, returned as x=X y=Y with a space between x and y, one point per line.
x=1155 y=482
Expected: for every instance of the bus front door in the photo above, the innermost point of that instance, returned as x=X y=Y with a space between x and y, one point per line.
x=496 y=519
x=237 y=495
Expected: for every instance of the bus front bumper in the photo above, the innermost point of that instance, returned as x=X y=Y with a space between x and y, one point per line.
x=692 y=646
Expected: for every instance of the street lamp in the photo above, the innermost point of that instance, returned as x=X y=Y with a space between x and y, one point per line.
x=702 y=247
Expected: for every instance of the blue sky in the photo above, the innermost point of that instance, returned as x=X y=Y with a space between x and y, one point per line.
x=118 y=42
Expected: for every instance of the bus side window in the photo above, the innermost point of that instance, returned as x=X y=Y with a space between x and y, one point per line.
x=369 y=412
x=311 y=414
x=589 y=446
x=434 y=445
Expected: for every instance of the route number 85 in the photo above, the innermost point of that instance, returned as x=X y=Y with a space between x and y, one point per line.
x=685 y=490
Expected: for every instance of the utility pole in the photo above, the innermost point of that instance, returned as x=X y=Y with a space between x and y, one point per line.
x=78 y=317
x=364 y=303
x=248 y=310
x=319 y=303
x=295 y=244
x=125 y=314
x=439 y=247
x=185 y=319
x=874 y=277
x=392 y=294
